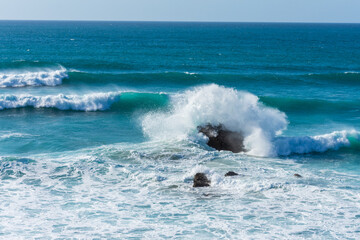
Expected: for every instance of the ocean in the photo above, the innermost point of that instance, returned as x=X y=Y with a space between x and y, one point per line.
x=99 y=139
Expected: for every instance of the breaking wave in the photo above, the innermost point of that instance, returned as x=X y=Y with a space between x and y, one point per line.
x=321 y=143
x=33 y=77
x=124 y=101
x=240 y=112
x=237 y=111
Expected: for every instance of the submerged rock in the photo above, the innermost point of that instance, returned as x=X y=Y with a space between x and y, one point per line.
x=222 y=139
x=297 y=175
x=231 y=173
x=200 y=180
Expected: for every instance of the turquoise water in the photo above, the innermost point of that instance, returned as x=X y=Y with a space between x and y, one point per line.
x=98 y=130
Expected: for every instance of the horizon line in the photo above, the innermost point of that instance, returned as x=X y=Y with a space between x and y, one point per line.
x=170 y=21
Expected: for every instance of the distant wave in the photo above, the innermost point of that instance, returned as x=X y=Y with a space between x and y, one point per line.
x=89 y=102
x=24 y=73
x=132 y=78
x=348 y=77
x=139 y=78
x=288 y=104
x=33 y=77
x=334 y=74
x=76 y=76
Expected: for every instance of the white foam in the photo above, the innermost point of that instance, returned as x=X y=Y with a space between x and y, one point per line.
x=87 y=102
x=125 y=186
x=236 y=110
x=34 y=77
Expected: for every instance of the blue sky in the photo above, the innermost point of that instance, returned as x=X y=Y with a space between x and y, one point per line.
x=184 y=10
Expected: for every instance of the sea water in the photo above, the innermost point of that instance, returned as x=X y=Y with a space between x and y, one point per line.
x=98 y=130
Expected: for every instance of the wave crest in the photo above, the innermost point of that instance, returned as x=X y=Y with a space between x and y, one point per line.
x=88 y=102
x=34 y=77
x=321 y=143
x=120 y=100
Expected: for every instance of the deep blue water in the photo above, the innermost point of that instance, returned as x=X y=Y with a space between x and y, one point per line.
x=98 y=129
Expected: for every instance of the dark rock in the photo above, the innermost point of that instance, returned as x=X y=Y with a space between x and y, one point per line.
x=222 y=139
x=231 y=173
x=200 y=180
x=297 y=175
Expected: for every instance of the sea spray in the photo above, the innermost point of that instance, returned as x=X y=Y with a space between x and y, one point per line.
x=240 y=112
x=212 y=104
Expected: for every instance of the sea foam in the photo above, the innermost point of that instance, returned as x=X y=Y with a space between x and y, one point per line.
x=33 y=77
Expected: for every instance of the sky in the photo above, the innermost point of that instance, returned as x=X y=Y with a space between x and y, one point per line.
x=342 y=11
